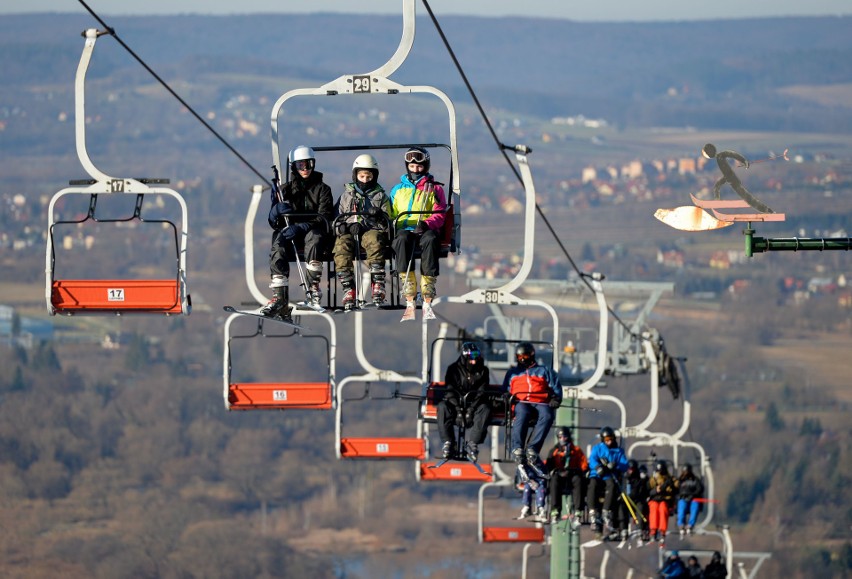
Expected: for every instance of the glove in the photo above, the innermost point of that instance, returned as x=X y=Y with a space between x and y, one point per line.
x=355 y=229
x=610 y=466
x=341 y=228
x=291 y=232
x=468 y=416
x=374 y=211
x=421 y=228
x=554 y=403
x=277 y=213
x=600 y=470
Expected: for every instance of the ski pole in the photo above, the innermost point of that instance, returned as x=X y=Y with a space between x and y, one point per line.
x=276 y=181
x=357 y=237
x=769 y=158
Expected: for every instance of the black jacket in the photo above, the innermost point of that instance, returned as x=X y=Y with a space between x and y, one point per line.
x=309 y=195
x=460 y=380
x=690 y=487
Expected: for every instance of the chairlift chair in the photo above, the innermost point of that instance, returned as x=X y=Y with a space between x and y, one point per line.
x=112 y=296
x=275 y=394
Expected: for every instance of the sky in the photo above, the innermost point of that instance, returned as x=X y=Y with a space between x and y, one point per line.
x=601 y=11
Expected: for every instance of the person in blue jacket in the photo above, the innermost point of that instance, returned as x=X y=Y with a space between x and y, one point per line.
x=673 y=567
x=607 y=464
x=537 y=393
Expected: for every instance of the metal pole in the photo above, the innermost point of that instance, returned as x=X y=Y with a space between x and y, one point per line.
x=565 y=546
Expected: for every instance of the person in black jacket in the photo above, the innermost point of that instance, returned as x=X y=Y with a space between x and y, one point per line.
x=689 y=488
x=715 y=569
x=465 y=402
x=301 y=210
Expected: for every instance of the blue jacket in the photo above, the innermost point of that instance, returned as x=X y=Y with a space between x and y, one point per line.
x=601 y=455
x=674 y=567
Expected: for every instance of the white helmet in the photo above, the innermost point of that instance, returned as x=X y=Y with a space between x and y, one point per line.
x=368 y=163
x=302 y=153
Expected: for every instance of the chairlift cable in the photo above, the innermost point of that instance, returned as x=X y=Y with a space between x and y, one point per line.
x=111 y=32
x=503 y=149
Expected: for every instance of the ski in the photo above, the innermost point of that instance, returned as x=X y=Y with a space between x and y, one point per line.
x=718 y=203
x=525 y=477
x=540 y=473
x=303 y=305
x=479 y=468
x=257 y=314
x=714 y=205
x=690 y=218
x=440 y=463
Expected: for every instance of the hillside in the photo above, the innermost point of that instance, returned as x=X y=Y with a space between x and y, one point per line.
x=118 y=463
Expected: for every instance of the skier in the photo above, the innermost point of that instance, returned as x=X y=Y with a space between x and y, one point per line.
x=689 y=488
x=715 y=569
x=362 y=221
x=693 y=569
x=730 y=177
x=607 y=464
x=300 y=213
x=533 y=486
x=567 y=466
x=418 y=204
x=538 y=393
x=662 y=491
x=673 y=567
x=636 y=488
x=465 y=402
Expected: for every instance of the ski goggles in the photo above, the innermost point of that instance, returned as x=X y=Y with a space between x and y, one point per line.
x=416 y=157
x=302 y=165
x=471 y=352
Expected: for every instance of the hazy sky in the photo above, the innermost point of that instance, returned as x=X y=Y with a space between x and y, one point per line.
x=602 y=10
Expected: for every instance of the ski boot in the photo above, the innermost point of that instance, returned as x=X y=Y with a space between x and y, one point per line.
x=541 y=514
x=447 y=450
x=313 y=297
x=427 y=291
x=279 y=305
x=347 y=284
x=377 y=287
x=408 y=283
x=577 y=520
x=554 y=517
x=535 y=463
x=525 y=512
x=410 y=309
x=607 y=522
x=472 y=451
x=428 y=313
x=596 y=524
x=348 y=300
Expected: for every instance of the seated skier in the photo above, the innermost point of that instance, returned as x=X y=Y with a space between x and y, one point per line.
x=465 y=403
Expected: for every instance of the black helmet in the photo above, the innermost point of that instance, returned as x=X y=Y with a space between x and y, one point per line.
x=686 y=469
x=661 y=467
x=563 y=432
x=607 y=432
x=417 y=155
x=470 y=354
x=525 y=354
x=632 y=464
